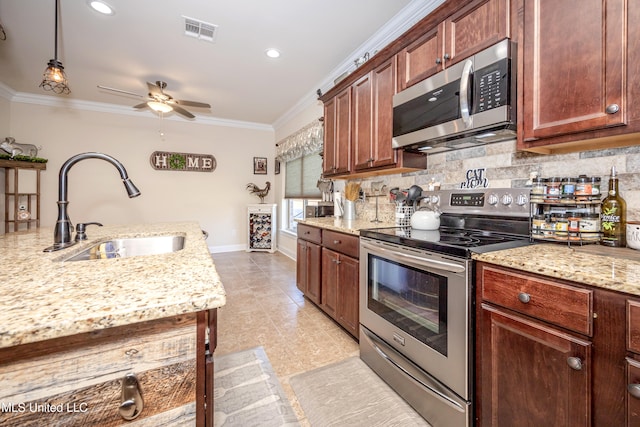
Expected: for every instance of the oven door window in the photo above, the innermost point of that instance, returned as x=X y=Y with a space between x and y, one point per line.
x=412 y=299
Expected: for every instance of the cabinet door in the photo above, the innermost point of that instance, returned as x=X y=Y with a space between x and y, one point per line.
x=347 y=304
x=342 y=141
x=329 y=153
x=314 y=272
x=574 y=61
x=384 y=87
x=329 y=286
x=421 y=58
x=362 y=123
x=633 y=392
x=532 y=374
x=301 y=266
x=478 y=25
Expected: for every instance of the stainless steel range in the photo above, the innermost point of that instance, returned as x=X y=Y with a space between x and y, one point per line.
x=417 y=297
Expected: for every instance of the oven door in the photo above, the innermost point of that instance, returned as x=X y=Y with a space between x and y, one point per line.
x=419 y=303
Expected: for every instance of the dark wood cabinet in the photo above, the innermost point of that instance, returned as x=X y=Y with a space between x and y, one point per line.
x=337 y=135
x=576 y=81
x=340 y=289
x=532 y=374
x=552 y=352
x=308 y=269
x=473 y=27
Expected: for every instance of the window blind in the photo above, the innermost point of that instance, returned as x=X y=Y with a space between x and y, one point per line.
x=301 y=177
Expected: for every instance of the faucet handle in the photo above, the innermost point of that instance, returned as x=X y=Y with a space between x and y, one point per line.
x=81 y=230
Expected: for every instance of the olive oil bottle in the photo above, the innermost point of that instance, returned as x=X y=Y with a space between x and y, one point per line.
x=613 y=215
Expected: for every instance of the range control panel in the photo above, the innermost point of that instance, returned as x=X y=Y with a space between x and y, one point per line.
x=490 y=201
x=467 y=199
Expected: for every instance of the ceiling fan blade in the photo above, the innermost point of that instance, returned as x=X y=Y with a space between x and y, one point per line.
x=143 y=105
x=121 y=91
x=182 y=111
x=192 y=103
x=154 y=89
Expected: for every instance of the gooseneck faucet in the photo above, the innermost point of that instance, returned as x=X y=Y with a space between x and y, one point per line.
x=62 y=233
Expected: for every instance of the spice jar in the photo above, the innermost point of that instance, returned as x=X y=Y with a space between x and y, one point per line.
x=538 y=225
x=595 y=185
x=561 y=226
x=538 y=189
x=584 y=187
x=590 y=227
x=573 y=220
x=553 y=187
x=568 y=187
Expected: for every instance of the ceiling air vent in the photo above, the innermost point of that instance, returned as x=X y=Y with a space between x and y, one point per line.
x=200 y=29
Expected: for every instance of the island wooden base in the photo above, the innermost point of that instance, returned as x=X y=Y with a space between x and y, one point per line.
x=77 y=380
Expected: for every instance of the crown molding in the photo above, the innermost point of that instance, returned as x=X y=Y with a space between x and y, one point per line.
x=394 y=28
x=100 y=107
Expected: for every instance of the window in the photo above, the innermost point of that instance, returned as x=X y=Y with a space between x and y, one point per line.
x=301 y=180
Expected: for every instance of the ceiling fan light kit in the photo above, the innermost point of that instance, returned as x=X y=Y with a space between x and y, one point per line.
x=54 y=78
x=159 y=106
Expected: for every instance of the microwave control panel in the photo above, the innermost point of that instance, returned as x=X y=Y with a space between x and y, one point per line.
x=492 y=86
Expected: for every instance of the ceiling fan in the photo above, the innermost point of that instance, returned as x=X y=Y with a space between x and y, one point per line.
x=160 y=101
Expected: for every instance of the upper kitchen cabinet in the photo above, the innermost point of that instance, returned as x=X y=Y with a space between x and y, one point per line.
x=372 y=118
x=475 y=26
x=337 y=134
x=577 y=66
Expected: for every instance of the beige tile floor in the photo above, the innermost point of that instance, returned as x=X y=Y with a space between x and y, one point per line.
x=264 y=308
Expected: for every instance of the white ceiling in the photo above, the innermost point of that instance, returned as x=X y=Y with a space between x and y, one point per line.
x=144 y=41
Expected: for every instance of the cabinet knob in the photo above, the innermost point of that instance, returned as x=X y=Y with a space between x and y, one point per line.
x=612 y=108
x=336 y=242
x=524 y=297
x=634 y=390
x=438 y=61
x=447 y=57
x=574 y=363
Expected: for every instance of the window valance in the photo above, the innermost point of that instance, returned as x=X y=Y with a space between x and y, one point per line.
x=308 y=140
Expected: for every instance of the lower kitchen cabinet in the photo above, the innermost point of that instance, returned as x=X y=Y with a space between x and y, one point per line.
x=553 y=352
x=327 y=272
x=532 y=374
x=340 y=274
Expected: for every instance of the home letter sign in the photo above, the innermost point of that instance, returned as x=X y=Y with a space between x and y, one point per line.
x=163 y=160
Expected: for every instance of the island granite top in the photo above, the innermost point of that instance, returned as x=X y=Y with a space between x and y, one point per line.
x=43 y=298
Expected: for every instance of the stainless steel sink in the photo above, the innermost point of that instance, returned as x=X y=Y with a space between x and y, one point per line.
x=129 y=247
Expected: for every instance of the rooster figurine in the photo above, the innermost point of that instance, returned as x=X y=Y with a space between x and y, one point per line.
x=260 y=192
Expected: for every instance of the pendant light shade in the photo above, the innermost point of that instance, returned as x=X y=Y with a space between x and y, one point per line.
x=54 y=78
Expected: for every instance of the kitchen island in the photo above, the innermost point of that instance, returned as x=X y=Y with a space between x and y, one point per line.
x=71 y=331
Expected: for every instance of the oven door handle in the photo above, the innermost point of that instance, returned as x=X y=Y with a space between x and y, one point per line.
x=394 y=256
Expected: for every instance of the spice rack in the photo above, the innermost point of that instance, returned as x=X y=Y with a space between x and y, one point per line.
x=565 y=219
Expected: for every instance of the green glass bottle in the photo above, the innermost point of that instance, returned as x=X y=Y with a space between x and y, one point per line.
x=613 y=215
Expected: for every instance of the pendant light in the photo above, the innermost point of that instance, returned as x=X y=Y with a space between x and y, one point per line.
x=54 y=78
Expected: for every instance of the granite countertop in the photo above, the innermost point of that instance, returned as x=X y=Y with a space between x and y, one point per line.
x=616 y=269
x=344 y=226
x=44 y=299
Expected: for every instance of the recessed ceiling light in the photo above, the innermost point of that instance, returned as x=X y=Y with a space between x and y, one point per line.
x=100 y=6
x=272 y=53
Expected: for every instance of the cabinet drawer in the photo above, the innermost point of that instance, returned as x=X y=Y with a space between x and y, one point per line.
x=341 y=242
x=563 y=305
x=633 y=326
x=311 y=234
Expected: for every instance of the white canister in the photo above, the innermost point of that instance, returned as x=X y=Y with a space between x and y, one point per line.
x=349 y=210
x=633 y=234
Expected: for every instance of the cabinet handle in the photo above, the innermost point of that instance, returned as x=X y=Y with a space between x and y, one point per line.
x=447 y=57
x=612 y=108
x=574 y=363
x=438 y=61
x=634 y=390
x=524 y=297
x=307 y=232
x=336 y=242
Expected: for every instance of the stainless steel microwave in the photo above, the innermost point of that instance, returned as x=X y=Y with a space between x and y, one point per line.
x=470 y=103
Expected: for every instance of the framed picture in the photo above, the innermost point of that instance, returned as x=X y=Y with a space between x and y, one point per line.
x=277 y=167
x=259 y=165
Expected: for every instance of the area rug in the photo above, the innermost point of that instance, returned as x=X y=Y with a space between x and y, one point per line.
x=247 y=393
x=349 y=393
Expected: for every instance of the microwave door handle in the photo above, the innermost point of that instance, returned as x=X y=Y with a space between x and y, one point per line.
x=465 y=79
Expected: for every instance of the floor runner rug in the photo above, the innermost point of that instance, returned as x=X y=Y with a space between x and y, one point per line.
x=349 y=393
x=247 y=392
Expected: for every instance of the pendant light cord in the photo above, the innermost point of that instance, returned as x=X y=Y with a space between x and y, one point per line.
x=55 y=43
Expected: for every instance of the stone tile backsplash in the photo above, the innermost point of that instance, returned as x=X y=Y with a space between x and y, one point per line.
x=505 y=167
